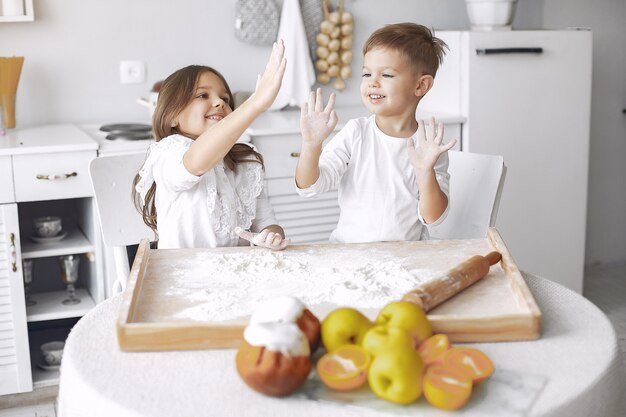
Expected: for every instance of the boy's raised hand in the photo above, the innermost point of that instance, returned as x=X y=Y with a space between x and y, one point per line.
x=424 y=154
x=316 y=121
x=268 y=83
x=267 y=239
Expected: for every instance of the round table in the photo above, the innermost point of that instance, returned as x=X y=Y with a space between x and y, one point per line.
x=574 y=369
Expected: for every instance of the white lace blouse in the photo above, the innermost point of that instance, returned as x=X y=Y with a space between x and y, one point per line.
x=202 y=211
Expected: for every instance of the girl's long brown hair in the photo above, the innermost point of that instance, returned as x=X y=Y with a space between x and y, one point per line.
x=176 y=92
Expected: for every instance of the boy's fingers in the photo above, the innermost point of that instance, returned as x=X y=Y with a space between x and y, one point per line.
x=311 y=102
x=439 y=137
x=333 y=119
x=448 y=145
x=431 y=129
x=319 y=101
x=331 y=103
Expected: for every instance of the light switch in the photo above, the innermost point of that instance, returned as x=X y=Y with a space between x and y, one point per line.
x=132 y=72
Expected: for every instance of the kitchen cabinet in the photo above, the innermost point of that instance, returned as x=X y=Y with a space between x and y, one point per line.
x=276 y=135
x=46 y=168
x=28 y=16
x=526 y=95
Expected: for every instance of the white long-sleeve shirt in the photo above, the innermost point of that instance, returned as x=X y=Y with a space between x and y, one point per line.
x=202 y=211
x=378 y=194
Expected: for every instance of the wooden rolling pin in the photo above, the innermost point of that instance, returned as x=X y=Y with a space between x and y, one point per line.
x=435 y=292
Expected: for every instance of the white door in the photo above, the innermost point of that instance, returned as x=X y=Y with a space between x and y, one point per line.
x=534 y=110
x=15 y=371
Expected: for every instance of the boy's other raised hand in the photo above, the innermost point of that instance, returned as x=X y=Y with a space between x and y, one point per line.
x=316 y=121
x=424 y=153
x=268 y=83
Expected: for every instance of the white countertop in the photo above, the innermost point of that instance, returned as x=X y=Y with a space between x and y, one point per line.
x=45 y=139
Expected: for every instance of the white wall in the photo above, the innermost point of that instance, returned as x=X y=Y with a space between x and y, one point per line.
x=606 y=207
x=73 y=50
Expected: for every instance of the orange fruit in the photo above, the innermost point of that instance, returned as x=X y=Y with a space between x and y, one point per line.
x=345 y=368
x=471 y=361
x=447 y=388
x=434 y=348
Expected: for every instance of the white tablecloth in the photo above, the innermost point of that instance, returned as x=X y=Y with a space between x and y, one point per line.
x=574 y=369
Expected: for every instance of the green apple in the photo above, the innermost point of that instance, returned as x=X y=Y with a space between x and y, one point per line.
x=381 y=338
x=396 y=375
x=407 y=316
x=344 y=326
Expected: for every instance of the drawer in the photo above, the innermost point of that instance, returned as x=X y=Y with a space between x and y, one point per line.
x=52 y=176
x=7 y=194
x=280 y=154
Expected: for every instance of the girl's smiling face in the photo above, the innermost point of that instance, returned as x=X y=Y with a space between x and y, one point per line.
x=389 y=83
x=209 y=104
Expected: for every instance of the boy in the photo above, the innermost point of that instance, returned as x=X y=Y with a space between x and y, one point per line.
x=390 y=170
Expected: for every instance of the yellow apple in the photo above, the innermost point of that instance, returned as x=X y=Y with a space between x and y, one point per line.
x=396 y=375
x=344 y=326
x=407 y=316
x=381 y=338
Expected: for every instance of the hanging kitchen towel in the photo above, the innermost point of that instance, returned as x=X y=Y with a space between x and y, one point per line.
x=256 y=21
x=312 y=16
x=299 y=75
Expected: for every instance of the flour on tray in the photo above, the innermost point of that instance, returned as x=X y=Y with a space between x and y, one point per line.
x=228 y=286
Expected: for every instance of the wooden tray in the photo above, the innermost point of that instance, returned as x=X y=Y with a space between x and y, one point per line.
x=155 y=312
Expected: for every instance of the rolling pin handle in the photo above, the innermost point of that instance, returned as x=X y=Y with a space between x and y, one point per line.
x=413 y=297
x=493 y=257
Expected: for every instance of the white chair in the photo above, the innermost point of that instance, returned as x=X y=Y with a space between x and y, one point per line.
x=121 y=224
x=476 y=183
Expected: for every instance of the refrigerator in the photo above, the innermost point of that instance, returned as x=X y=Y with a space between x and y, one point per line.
x=526 y=95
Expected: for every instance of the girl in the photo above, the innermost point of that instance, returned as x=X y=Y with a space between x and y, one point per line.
x=205 y=188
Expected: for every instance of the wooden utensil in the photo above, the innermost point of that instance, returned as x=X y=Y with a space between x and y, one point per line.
x=10 y=69
x=435 y=292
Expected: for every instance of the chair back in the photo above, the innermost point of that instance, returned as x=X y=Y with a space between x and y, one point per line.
x=476 y=183
x=120 y=223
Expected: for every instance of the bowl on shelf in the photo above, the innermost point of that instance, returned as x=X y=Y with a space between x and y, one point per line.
x=52 y=352
x=47 y=226
x=491 y=14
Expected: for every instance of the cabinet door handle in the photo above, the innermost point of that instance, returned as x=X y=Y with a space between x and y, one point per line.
x=56 y=176
x=494 y=51
x=13 y=252
x=295 y=154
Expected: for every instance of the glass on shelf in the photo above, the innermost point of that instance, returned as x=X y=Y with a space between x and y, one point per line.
x=69 y=275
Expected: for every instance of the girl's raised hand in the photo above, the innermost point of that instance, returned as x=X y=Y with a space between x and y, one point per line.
x=268 y=83
x=267 y=239
x=424 y=154
x=317 y=121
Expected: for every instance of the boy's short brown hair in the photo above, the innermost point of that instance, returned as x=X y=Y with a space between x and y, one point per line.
x=416 y=42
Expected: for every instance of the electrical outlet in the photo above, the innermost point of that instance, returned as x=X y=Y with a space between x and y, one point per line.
x=132 y=72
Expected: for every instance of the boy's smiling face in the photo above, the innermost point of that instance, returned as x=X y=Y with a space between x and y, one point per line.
x=209 y=105
x=389 y=85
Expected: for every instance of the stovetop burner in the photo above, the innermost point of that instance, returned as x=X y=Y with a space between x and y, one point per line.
x=128 y=131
